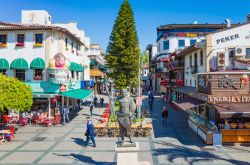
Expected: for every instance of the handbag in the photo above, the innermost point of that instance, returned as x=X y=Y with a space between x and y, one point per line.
x=86 y=134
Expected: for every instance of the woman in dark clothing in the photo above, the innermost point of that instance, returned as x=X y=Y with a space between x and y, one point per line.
x=164 y=115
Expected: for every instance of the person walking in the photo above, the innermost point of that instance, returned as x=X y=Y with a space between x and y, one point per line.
x=151 y=100
x=65 y=115
x=164 y=115
x=102 y=102
x=91 y=107
x=95 y=101
x=90 y=133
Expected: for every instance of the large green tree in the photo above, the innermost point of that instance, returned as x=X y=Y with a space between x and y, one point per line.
x=123 y=49
x=14 y=94
x=144 y=57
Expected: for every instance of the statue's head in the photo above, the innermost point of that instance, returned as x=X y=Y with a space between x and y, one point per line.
x=124 y=92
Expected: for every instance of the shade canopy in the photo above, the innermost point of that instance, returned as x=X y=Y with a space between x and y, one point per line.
x=92 y=62
x=20 y=64
x=78 y=93
x=76 y=67
x=37 y=63
x=233 y=110
x=4 y=64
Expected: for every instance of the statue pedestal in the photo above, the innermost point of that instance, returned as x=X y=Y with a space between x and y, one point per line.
x=128 y=154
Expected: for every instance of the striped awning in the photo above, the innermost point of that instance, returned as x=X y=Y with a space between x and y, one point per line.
x=20 y=64
x=37 y=63
x=4 y=64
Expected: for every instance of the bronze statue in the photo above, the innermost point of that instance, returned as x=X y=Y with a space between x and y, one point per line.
x=127 y=108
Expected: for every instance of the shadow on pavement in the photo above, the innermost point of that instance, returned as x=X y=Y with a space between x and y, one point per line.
x=85 y=159
x=191 y=156
x=176 y=127
x=79 y=141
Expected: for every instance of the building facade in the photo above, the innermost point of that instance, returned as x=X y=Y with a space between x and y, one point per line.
x=49 y=58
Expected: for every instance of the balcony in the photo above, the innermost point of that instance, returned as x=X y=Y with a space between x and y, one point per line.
x=194 y=69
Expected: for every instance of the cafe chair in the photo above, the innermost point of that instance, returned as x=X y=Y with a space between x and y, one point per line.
x=23 y=122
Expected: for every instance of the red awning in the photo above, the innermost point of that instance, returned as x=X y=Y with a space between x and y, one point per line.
x=173 y=54
x=166 y=59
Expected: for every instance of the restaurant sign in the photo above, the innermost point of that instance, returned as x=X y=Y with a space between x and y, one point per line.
x=58 y=76
x=229 y=99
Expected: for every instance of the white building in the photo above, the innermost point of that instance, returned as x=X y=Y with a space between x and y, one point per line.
x=50 y=58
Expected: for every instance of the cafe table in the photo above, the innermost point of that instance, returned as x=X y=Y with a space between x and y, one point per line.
x=4 y=132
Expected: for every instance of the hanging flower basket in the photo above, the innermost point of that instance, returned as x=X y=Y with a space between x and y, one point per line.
x=19 y=44
x=3 y=45
x=38 y=45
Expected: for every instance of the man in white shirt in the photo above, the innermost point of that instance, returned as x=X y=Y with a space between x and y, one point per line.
x=65 y=115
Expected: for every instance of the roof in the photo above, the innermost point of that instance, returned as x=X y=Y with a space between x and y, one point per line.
x=232 y=27
x=180 y=26
x=12 y=27
x=191 y=49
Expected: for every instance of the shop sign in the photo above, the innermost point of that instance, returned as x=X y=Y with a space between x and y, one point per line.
x=189 y=34
x=225 y=82
x=227 y=38
x=58 y=76
x=229 y=99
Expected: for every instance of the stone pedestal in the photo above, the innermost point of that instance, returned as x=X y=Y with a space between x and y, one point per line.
x=128 y=154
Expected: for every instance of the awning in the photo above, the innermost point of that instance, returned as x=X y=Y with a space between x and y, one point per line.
x=4 y=64
x=78 y=93
x=233 y=110
x=76 y=67
x=19 y=63
x=37 y=63
x=166 y=59
x=188 y=103
x=92 y=62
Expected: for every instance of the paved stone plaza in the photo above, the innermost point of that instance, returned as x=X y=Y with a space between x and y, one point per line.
x=174 y=143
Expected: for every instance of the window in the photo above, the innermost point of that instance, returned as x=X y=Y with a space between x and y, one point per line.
x=66 y=42
x=247 y=53
x=181 y=43
x=3 y=71
x=145 y=72
x=231 y=52
x=72 y=45
x=20 y=38
x=190 y=60
x=201 y=57
x=3 y=39
x=186 y=82
x=38 y=75
x=72 y=74
x=20 y=75
x=39 y=39
x=76 y=47
x=165 y=45
x=77 y=75
x=192 y=42
x=190 y=82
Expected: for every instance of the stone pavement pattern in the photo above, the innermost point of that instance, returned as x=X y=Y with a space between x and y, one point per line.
x=174 y=143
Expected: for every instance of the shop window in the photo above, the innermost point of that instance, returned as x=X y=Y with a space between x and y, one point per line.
x=39 y=39
x=181 y=43
x=3 y=39
x=247 y=53
x=72 y=74
x=186 y=82
x=201 y=57
x=38 y=75
x=77 y=76
x=20 y=75
x=3 y=71
x=20 y=38
x=192 y=42
x=165 y=45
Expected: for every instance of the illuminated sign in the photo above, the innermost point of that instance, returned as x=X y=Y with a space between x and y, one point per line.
x=189 y=34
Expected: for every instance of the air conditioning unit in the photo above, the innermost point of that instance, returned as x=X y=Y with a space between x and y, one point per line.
x=221 y=58
x=240 y=51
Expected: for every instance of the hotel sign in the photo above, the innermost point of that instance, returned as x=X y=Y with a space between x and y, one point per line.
x=229 y=99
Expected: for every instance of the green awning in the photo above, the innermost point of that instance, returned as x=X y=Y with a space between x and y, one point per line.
x=20 y=64
x=4 y=64
x=76 y=67
x=92 y=62
x=37 y=63
x=78 y=93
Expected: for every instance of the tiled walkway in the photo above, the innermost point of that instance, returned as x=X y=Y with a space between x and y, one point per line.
x=173 y=143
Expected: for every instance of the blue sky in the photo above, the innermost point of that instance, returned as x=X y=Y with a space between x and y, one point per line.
x=96 y=17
